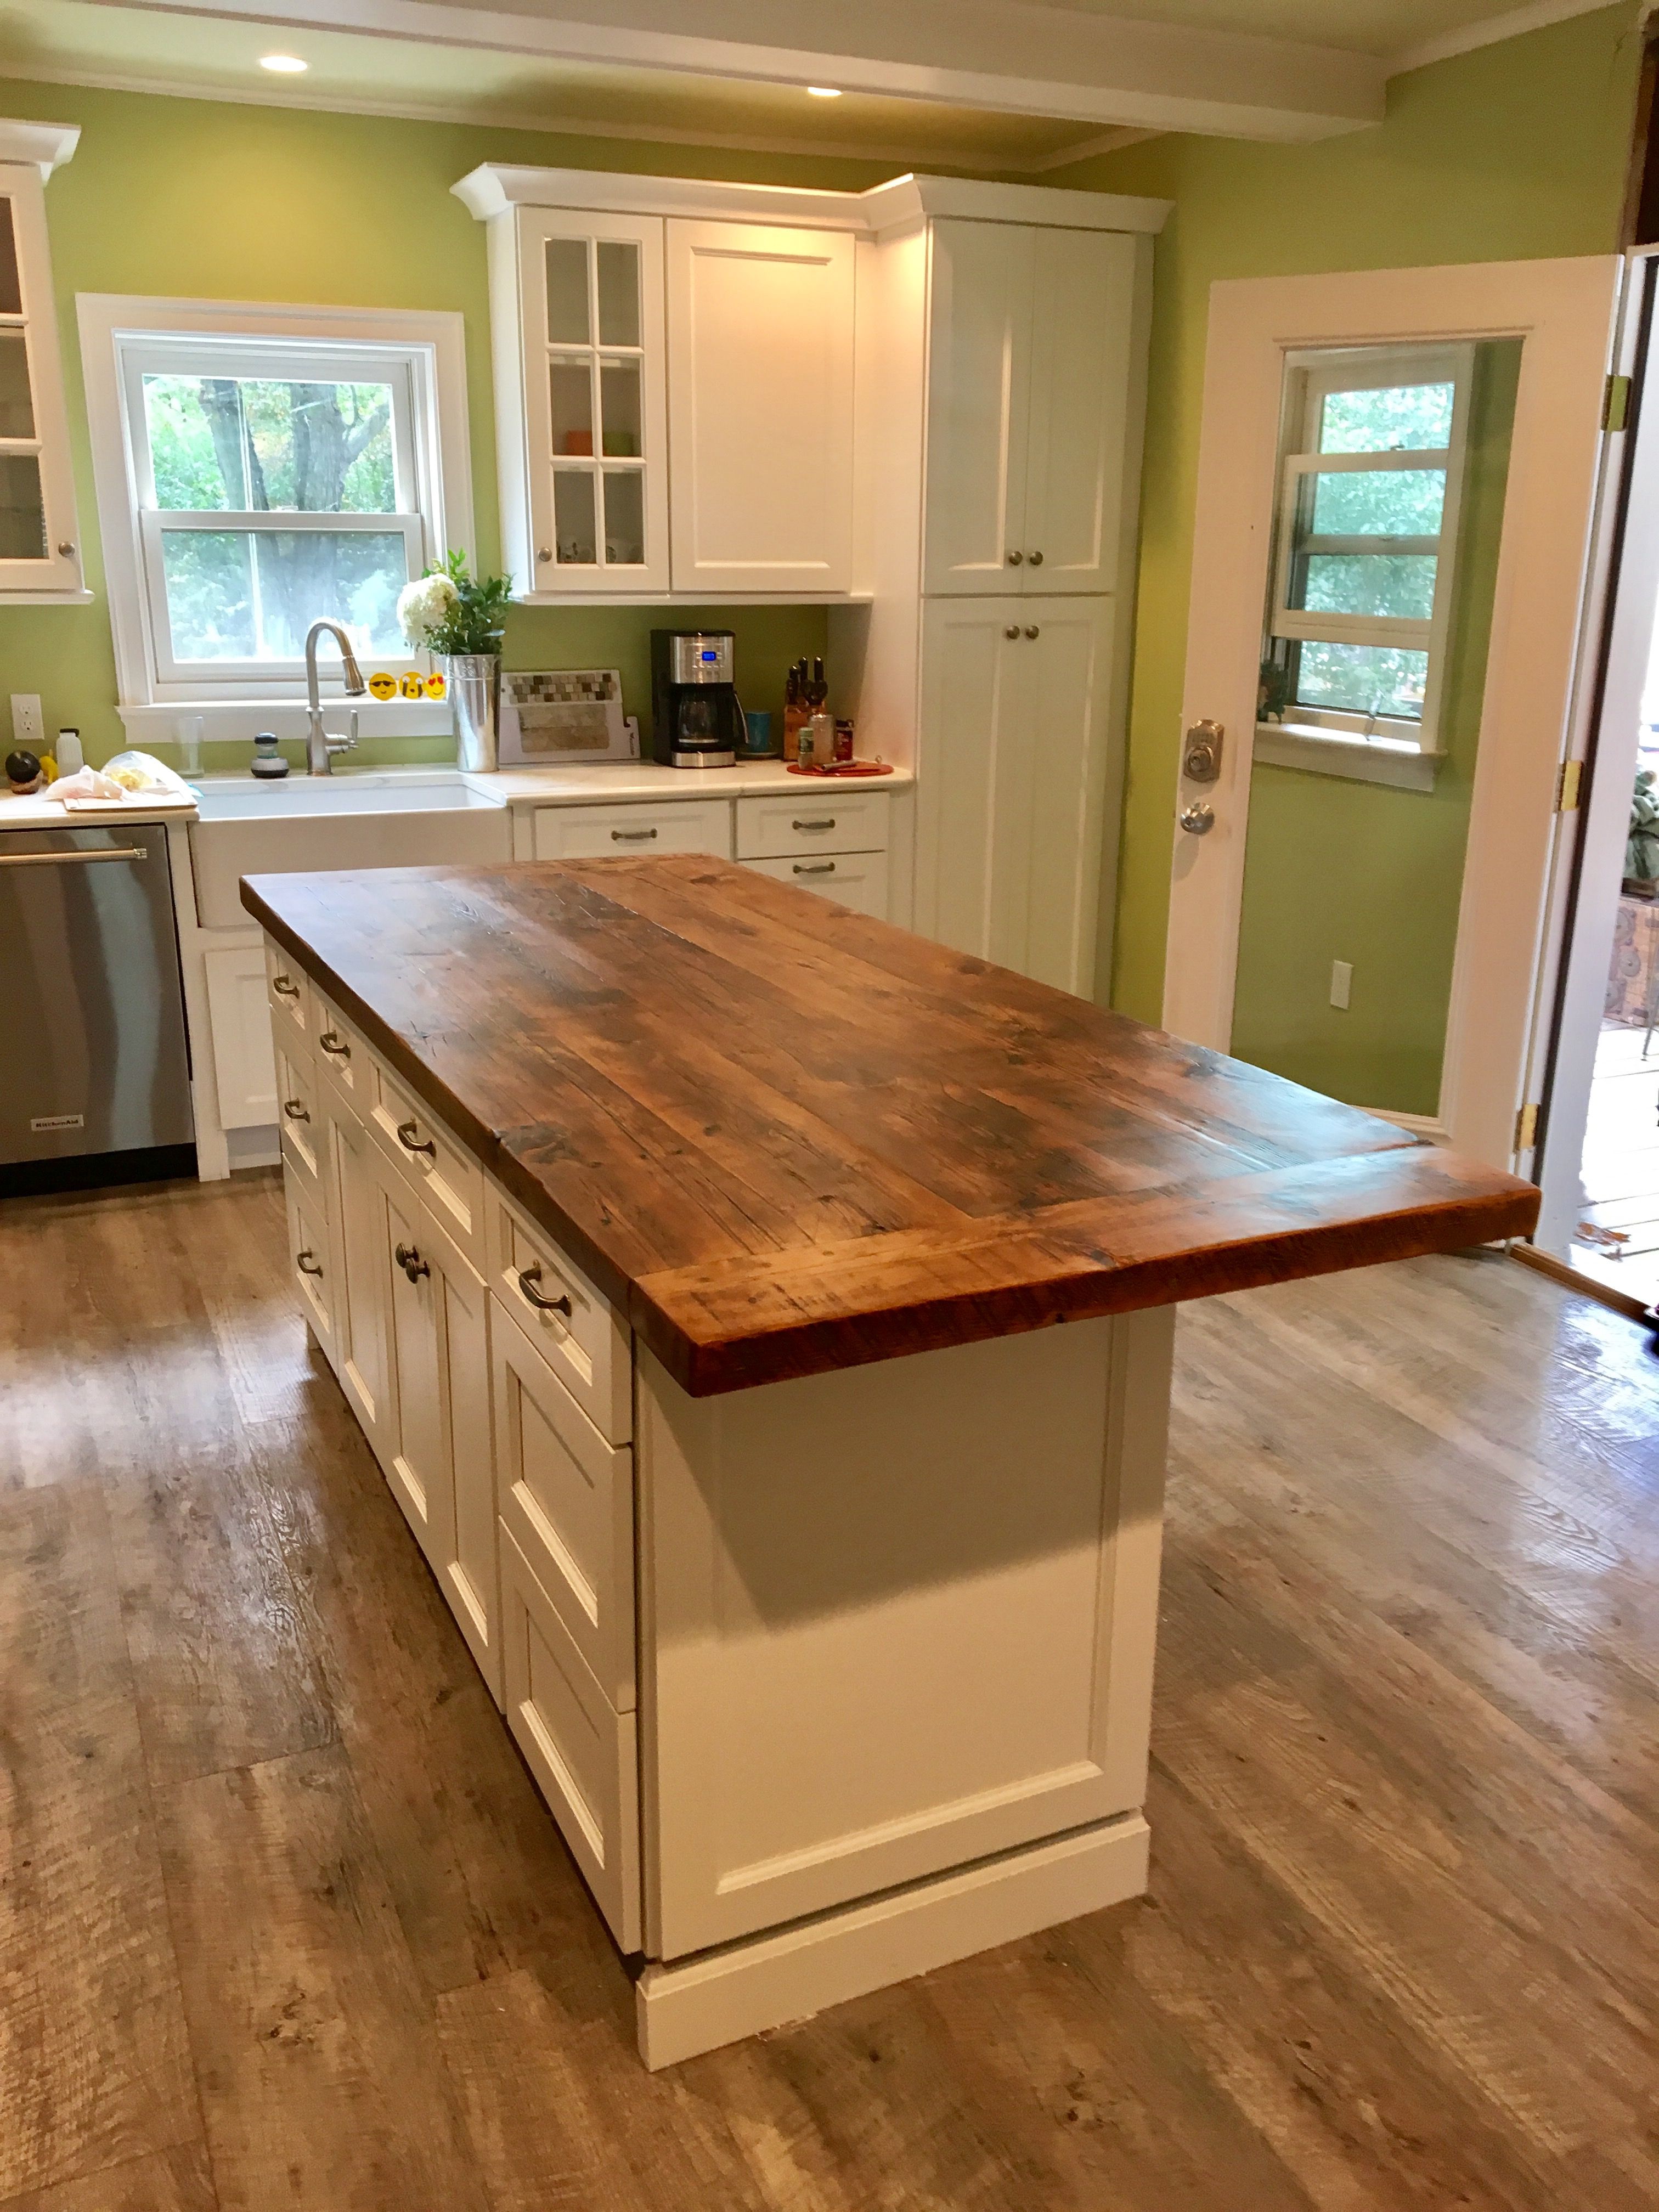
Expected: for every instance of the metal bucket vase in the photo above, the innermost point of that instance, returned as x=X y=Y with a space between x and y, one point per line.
x=474 y=680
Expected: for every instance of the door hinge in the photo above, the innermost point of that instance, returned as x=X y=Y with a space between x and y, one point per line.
x=1526 y=1128
x=1615 y=407
x=1568 y=782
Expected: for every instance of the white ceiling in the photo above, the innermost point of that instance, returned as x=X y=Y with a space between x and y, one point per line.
x=1020 y=85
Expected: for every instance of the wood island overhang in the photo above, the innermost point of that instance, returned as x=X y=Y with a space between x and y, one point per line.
x=785 y=1139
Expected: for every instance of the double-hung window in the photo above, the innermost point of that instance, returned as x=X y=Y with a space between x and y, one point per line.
x=1370 y=484
x=258 y=470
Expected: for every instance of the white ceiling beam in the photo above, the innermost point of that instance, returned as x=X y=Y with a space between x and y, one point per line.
x=1004 y=54
x=1536 y=15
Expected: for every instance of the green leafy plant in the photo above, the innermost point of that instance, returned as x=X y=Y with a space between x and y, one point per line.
x=448 y=612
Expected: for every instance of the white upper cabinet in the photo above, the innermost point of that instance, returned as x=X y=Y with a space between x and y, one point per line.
x=760 y=407
x=588 y=499
x=40 y=548
x=1032 y=331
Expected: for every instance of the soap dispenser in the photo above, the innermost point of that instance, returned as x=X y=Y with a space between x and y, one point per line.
x=267 y=761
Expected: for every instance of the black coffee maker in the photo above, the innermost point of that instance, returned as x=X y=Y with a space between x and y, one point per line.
x=696 y=715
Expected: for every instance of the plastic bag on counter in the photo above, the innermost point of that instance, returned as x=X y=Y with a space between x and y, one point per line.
x=128 y=775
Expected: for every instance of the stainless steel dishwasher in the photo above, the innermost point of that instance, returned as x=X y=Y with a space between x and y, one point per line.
x=94 y=1069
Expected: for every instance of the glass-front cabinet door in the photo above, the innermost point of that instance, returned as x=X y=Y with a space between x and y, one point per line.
x=40 y=557
x=591 y=305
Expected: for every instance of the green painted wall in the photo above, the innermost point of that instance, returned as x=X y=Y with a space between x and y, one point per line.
x=204 y=199
x=1515 y=151
x=1340 y=870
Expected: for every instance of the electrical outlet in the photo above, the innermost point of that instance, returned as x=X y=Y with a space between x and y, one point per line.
x=29 y=723
x=1341 y=982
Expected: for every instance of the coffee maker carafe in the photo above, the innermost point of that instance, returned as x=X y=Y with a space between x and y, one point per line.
x=696 y=715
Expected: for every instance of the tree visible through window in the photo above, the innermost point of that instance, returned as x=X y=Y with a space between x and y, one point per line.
x=1367 y=526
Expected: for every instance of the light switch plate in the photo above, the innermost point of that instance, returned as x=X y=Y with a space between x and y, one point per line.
x=29 y=723
x=1341 y=982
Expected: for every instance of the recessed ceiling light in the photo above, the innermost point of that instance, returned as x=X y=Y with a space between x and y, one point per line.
x=824 y=92
x=284 y=64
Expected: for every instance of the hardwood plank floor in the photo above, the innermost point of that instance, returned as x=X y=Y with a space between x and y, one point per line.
x=282 y=1921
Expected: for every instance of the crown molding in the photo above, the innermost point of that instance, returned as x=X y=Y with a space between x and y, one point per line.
x=1538 y=15
x=495 y=188
x=1015 y=57
x=47 y=146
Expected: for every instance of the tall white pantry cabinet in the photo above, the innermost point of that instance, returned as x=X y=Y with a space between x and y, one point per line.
x=919 y=406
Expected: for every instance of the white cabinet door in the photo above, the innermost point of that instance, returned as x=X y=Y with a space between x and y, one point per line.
x=595 y=457
x=1011 y=798
x=39 y=558
x=435 y=1432
x=760 y=401
x=1083 y=334
x=854 y=879
x=244 y=1064
x=979 y=372
x=361 y=1263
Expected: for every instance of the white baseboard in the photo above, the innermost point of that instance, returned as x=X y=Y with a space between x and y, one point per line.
x=720 y=1996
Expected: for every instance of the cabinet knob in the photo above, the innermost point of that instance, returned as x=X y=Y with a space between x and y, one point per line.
x=1012 y=630
x=409 y=1259
x=1014 y=560
x=1031 y=630
x=544 y=552
x=66 y=547
x=1037 y=560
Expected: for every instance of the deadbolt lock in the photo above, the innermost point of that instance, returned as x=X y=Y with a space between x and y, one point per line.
x=1200 y=752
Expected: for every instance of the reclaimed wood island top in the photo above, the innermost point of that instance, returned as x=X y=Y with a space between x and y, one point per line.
x=785 y=1139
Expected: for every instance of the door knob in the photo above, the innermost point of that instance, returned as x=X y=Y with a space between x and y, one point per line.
x=1198 y=819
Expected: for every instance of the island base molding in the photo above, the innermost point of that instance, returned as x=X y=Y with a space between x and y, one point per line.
x=770 y=1981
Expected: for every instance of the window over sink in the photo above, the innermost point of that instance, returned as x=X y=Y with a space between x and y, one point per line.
x=260 y=467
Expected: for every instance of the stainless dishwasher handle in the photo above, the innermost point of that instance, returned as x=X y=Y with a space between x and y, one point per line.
x=72 y=860
x=631 y=837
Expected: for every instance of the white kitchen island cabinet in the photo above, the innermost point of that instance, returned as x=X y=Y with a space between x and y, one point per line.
x=816 y=1567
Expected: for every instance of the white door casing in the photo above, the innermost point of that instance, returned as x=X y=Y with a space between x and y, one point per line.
x=1562 y=311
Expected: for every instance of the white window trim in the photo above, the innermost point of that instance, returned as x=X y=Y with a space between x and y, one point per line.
x=114 y=332
x=1377 y=749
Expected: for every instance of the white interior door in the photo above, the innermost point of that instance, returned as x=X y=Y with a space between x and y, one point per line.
x=760 y=334
x=979 y=376
x=1562 y=312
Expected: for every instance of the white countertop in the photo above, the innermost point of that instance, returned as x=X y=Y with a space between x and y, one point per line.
x=592 y=784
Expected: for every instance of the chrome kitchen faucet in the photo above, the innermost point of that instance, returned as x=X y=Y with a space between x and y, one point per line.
x=320 y=746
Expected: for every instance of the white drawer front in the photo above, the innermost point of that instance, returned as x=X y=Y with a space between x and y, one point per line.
x=854 y=879
x=820 y=820
x=308 y=1258
x=567 y=1496
x=591 y=832
x=445 y=1173
x=581 y=1752
x=297 y=1118
x=289 y=992
x=582 y=1337
x=342 y=1058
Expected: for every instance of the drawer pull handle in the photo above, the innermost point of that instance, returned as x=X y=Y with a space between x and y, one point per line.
x=631 y=837
x=823 y=822
x=331 y=1042
x=406 y=1138
x=410 y=1261
x=815 y=867
x=306 y=1263
x=284 y=986
x=529 y=1276
x=295 y=1109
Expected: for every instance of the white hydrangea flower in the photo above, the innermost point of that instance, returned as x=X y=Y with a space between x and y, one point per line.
x=422 y=605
